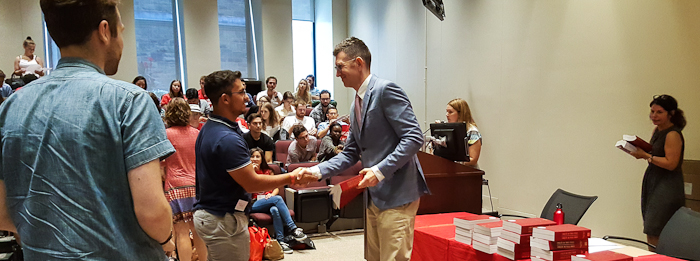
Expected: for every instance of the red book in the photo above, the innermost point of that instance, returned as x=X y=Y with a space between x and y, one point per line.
x=515 y=237
x=638 y=142
x=491 y=229
x=525 y=225
x=513 y=255
x=602 y=256
x=512 y=246
x=468 y=222
x=563 y=232
x=557 y=254
x=346 y=191
x=558 y=245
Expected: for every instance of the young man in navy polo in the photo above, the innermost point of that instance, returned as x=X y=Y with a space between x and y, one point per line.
x=225 y=176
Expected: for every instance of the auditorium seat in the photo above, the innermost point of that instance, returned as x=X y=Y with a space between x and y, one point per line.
x=312 y=204
x=281 y=150
x=264 y=219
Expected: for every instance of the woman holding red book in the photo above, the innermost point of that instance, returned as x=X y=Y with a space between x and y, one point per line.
x=662 y=186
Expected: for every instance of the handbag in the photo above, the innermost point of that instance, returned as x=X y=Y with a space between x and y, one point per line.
x=273 y=251
x=15 y=81
x=258 y=240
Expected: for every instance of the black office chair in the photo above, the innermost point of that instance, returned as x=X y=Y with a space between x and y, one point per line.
x=679 y=238
x=574 y=206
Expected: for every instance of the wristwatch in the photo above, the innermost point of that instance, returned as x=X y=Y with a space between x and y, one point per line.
x=650 y=159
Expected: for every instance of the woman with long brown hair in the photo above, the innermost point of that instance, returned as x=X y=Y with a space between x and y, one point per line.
x=458 y=111
x=270 y=118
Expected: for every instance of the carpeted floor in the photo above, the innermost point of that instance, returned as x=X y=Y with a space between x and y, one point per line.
x=338 y=246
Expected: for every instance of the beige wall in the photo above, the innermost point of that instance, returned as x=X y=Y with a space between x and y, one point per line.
x=201 y=39
x=277 y=43
x=552 y=85
x=128 y=68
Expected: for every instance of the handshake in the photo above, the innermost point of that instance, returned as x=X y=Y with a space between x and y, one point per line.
x=304 y=176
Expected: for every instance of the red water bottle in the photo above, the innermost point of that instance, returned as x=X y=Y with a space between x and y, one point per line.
x=559 y=215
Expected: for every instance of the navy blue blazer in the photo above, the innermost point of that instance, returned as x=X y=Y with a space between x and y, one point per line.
x=390 y=137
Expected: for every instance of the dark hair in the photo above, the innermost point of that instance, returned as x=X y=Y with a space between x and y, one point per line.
x=155 y=100
x=178 y=112
x=325 y=91
x=354 y=47
x=331 y=107
x=334 y=124
x=297 y=129
x=671 y=106
x=312 y=86
x=28 y=41
x=252 y=117
x=268 y=79
x=138 y=78
x=263 y=163
x=192 y=94
x=287 y=95
x=71 y=22
x=170 y=90
x=27 y=78
x=220 y=82
x=2 y=75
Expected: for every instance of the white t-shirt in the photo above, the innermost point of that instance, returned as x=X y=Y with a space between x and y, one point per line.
x=289 y=121
x=275 y=102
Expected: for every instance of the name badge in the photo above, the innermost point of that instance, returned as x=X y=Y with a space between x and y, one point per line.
x=240 y=206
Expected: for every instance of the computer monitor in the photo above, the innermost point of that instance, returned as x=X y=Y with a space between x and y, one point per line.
x=455 y=140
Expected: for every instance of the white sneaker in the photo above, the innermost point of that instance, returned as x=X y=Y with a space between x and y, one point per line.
x=299 y=235
x=285 y=248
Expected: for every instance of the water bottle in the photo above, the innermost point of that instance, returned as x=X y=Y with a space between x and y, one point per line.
x=559 y=215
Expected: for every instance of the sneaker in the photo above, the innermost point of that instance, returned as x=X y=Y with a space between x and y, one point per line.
x=299 y=235
x=285 y=248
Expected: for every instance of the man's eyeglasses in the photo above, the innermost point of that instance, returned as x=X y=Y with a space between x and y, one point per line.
x=341 y=66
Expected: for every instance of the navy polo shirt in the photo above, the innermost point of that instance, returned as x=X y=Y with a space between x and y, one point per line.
x=220 y=148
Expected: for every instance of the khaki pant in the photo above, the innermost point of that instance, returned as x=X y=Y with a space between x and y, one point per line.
x=390 y=232
x=226 y=237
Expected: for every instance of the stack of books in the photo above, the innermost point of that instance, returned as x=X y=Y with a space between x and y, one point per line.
x=485 y=236
x=559 y=243
x=514 y=241
x=465 y=225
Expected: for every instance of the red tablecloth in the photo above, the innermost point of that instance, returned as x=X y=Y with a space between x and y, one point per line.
x=434 y=240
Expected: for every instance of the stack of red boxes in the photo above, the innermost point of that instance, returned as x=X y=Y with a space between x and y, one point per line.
x=558 y=243
x=514 y=241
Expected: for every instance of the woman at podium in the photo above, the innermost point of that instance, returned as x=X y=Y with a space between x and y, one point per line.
x=458 y=111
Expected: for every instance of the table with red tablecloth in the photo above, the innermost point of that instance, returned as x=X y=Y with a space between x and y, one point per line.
x=434 y=240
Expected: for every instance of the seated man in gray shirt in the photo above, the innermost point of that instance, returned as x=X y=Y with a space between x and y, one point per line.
x=303 y=148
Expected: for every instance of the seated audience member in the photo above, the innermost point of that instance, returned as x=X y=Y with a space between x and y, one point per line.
x=256 y=139
x=140 y=81
x=6 y=90
x=332 y=117
x=287 y=108
x=242 y=124
x=299 y=118
x=175 y=91
x=203 y=95
x=269 y=202
x=28 y=78
x=179 y=177
x=319 y=112
x=195 y=117
x=331 y=144
x=193 y=98
x=315 y=92
x=262 y=101
x=303 y=148
x=274 y=97
x=28 y=62
x=458 y=111
x=302 y=92
x=271 y=122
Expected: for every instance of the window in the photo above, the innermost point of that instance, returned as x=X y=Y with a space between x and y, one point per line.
x=159 y=48
x=303 y=39
x=236 y=37
x=53 y=54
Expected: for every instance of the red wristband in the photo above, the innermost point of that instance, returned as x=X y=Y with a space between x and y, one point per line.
x=293 y=178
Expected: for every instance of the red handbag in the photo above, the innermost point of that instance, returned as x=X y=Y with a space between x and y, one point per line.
x=258 y=239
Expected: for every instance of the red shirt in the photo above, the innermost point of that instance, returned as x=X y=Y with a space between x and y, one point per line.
x=180 y=168
x=267 y=172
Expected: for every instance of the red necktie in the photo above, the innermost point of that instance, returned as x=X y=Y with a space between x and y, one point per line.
x=358 y=109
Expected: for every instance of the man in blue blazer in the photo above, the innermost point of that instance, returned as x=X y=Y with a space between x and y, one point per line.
x=386 y=136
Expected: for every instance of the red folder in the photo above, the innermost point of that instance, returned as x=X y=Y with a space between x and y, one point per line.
x=346 y=191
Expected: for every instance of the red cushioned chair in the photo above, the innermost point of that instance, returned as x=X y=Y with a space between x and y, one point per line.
x=308 y=110
x=281 y=150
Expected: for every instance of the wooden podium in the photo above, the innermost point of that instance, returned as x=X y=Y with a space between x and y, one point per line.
x=454 y=187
